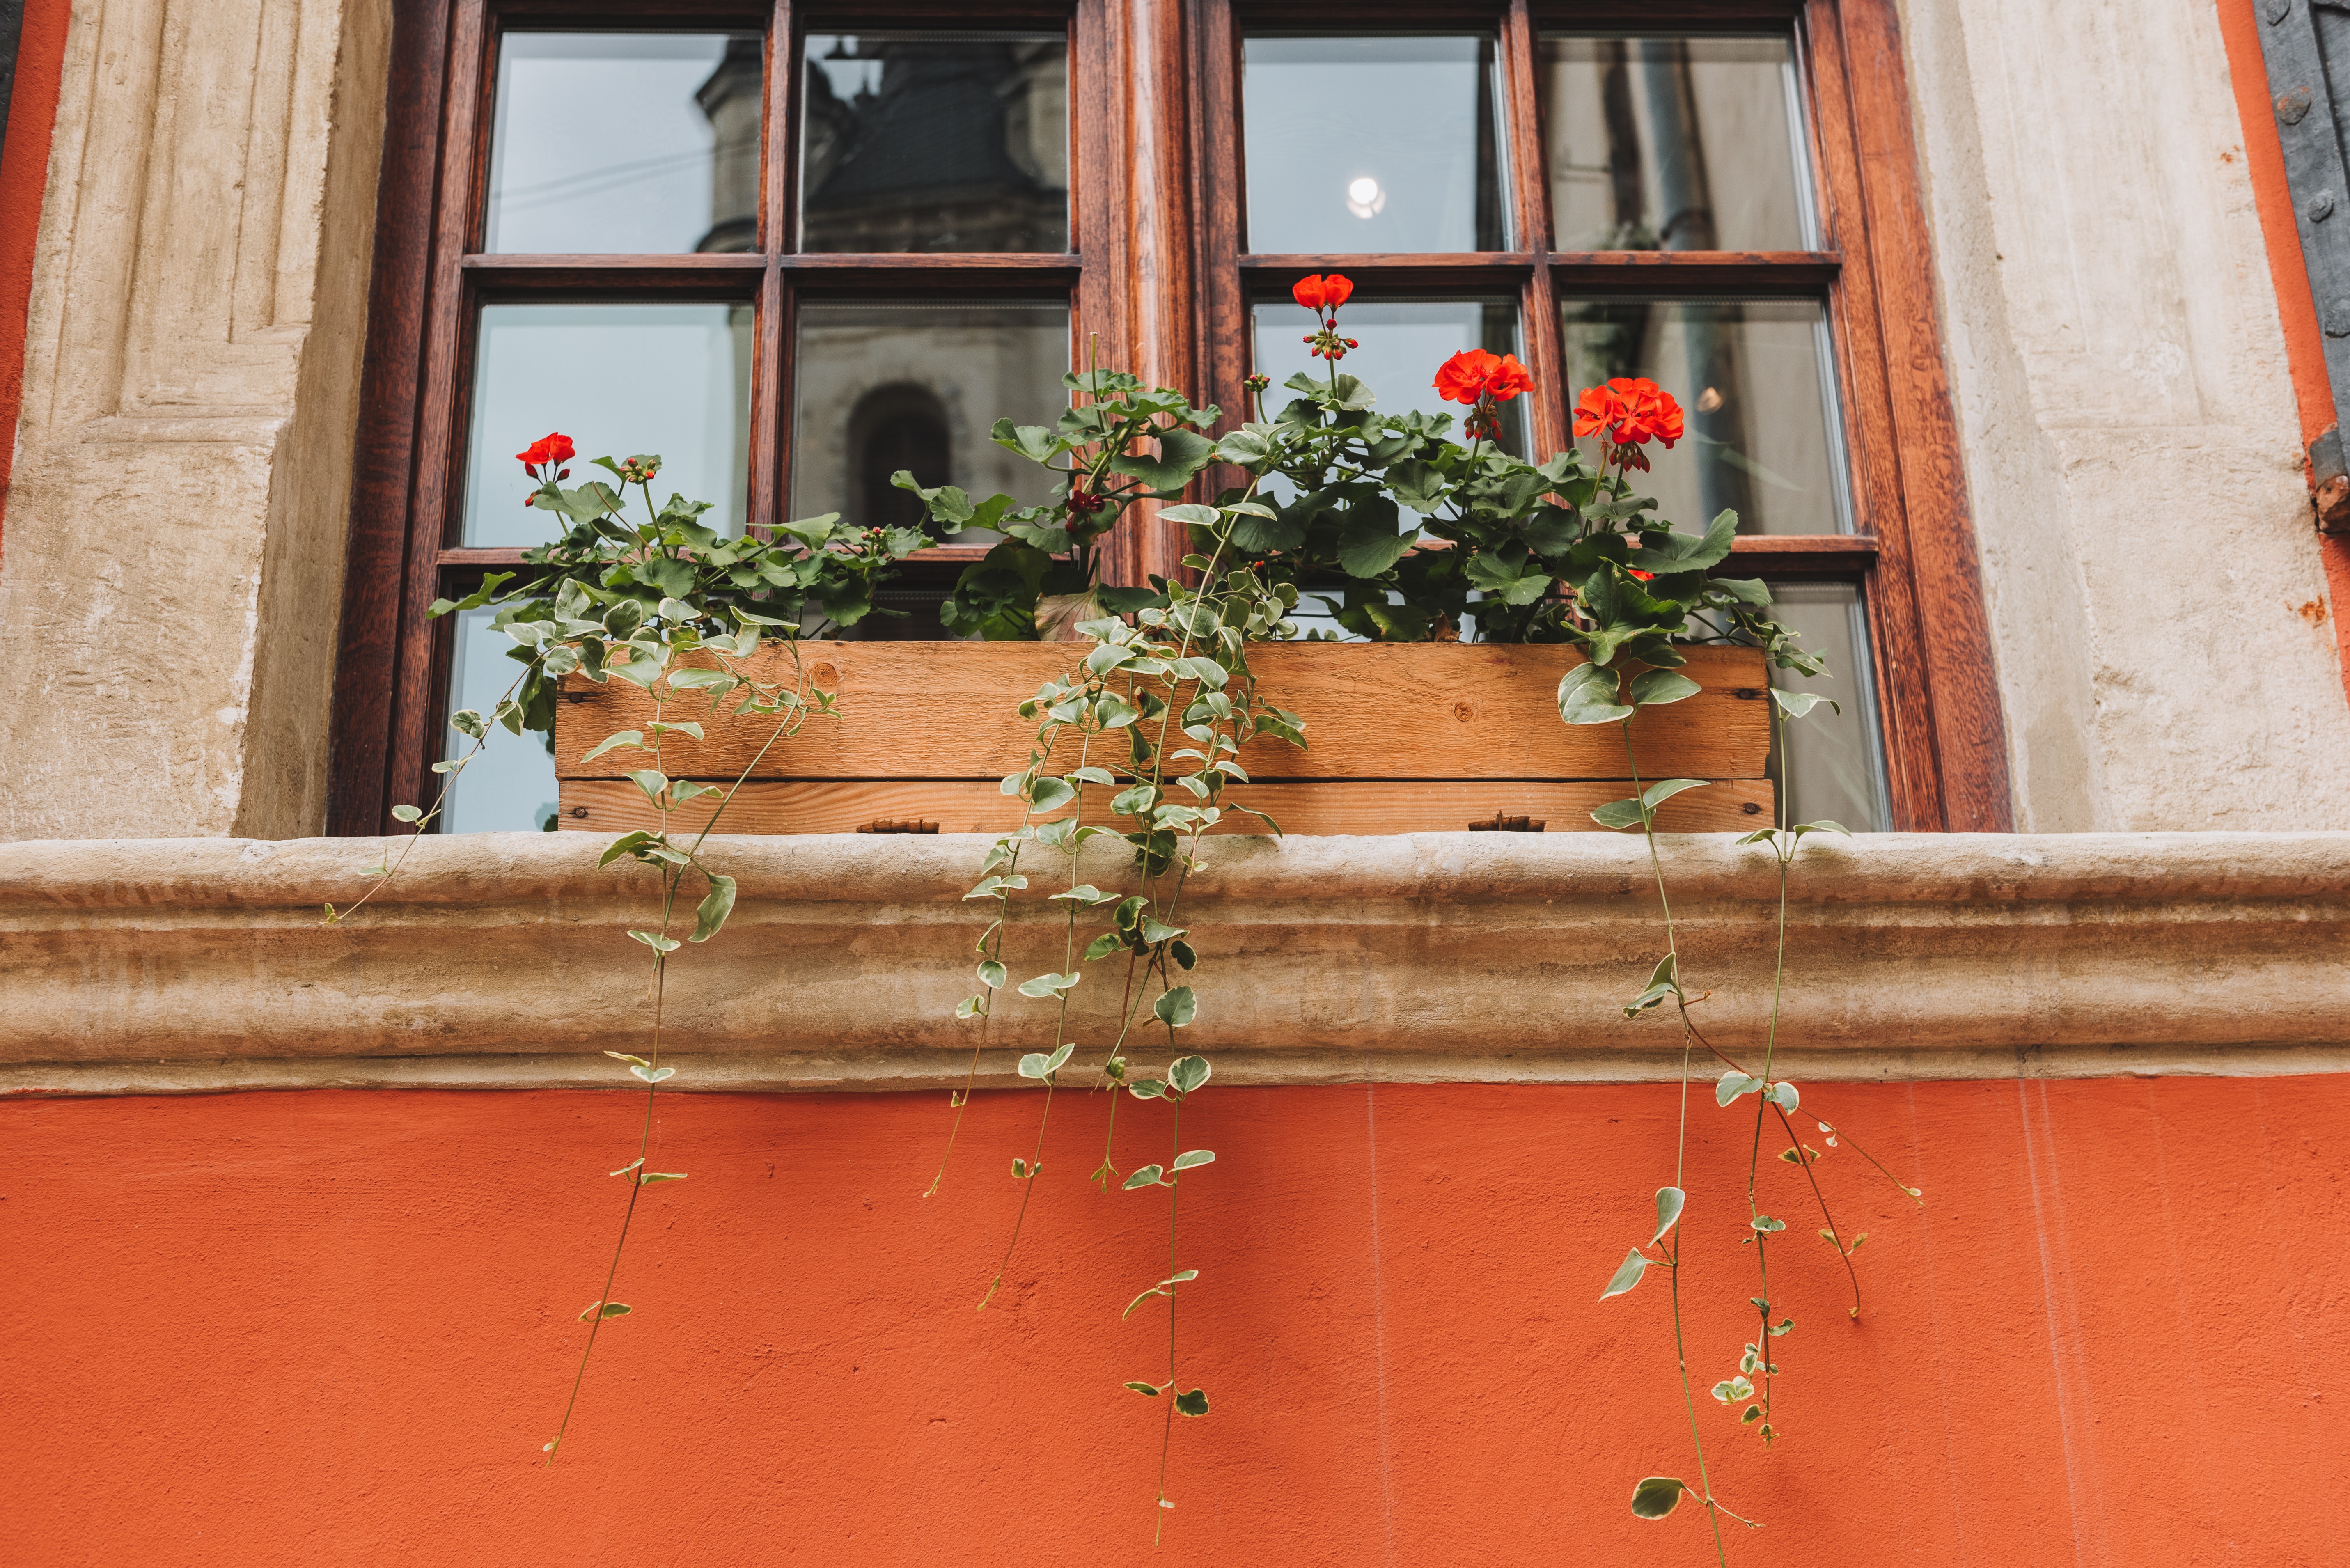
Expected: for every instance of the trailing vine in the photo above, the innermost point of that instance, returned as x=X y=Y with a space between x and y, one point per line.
x=1403 y=533
x=1624 y=416
x=675 y=608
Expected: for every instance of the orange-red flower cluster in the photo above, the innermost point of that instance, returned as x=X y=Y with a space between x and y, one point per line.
x=547 y=450
x=1630 y=410
x=1473 y=375
x=1323 y=294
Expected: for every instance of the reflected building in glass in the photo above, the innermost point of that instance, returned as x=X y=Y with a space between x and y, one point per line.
x=935 y=141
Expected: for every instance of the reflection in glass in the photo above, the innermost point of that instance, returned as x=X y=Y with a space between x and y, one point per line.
x=509 y=786
x=618 y=379
x=1371 y=144
x=878 y=388
x=1833 y=763
x=1674 y=144
x=644 y=143
x=1403 y=342
x=936 y=141
x=1752 y=378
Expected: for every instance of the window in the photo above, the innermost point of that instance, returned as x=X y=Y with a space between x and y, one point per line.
x=827 y=246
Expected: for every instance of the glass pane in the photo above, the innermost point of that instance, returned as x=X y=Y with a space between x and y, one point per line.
x=618 y=379
x=644 y=143
x=1834 y=763
x=936 y=141
x=1403 y=343
x=1371 y=144
x=1674 y=144
x=1753 y=377
x=878 y=388
x=510 y=787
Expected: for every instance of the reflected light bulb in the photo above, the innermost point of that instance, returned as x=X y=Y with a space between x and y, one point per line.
x=1364 y=197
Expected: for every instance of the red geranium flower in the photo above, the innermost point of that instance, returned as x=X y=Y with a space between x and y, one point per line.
x=1474 y=374
x=1628 y=411
x=548 y=449
x=1323 y=294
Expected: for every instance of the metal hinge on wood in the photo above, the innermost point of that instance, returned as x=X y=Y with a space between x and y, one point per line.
x=1501 y=824
x=897 y=824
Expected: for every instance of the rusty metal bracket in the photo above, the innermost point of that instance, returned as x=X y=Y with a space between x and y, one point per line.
x=2329 y=481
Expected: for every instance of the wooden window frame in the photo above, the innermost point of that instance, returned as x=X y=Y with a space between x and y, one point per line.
x=1157 y=272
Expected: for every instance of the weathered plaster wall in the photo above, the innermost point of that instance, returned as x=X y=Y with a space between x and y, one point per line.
x=179 y=499
x=2157 y=597
x=335 y=1328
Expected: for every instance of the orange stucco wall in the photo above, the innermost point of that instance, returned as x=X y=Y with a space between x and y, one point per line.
x=336 y=1327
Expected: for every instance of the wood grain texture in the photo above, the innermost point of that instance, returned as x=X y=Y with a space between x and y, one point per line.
x=963 y=806
x=374 y=562
x=1372 y=711
x=1957 y=682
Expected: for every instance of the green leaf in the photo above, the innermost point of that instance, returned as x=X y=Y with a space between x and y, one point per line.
x=1657 y=1496
x=1187 y=1072
x=653 y=1075
x=1655 y=688
x=1090 y=775
x=1657 y=794
x=1060 y=1057
x=1732 y=1084
x=1034 y=1065
x=1822 y=825
x=1195 y=1403
x=650 y=1176
x=652 y=781
x=992 y=974
x=1050 y=793
x=1181 y=454
x=1177 y=1008
x=1731 y=1390
x=405 y=813
x=1624 y=812
x=1670 y=1201
x=1587 y=696
x=1626 y=1275
x=1783 y=1096
x=1145 y=1089
x=1143 y=1388
x=659 y=943
x=1190 y=1157
x=1664 y=981
x=603 y=1310
x=1048 y=985
x=1148 y=1176
x=710 y=916
x=1368 y=542
x=1796 y=704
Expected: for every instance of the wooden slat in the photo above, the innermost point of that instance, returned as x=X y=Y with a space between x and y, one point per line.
x=771 y=806
x=1423 y=710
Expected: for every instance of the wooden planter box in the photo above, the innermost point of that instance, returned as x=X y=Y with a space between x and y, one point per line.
x=1403 y=738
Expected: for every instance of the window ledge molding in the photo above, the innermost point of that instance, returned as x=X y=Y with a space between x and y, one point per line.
x=164 y=966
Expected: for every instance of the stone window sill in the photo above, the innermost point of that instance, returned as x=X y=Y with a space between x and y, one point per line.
x=498 y=961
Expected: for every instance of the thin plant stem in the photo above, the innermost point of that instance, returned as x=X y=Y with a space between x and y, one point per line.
x=672 y=877
x=1167 y=1437
x=1689 y=1402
